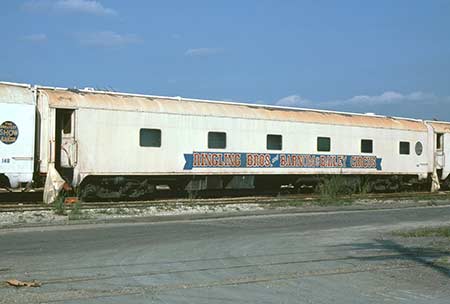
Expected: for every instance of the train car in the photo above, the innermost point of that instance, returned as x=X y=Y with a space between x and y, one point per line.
x=17 y=135
x=112 y=144
x=441 y=142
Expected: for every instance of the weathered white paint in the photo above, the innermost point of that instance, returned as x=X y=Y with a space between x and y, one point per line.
x=446 y=167
x=17 y=104
x=46 y=127
x=106 y=130
x=109 y=144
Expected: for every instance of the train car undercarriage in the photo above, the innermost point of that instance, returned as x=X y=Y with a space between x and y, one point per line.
x=145 y=187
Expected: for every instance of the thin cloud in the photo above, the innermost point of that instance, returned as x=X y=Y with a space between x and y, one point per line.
x=203 y=52
x=386 y=98
x=293 y=101
x=71 y=6
x=35 y=38
x=389 y=97
x=107 y=39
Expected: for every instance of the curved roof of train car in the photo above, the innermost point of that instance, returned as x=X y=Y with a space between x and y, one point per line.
x=68 y=98
x=440 y=126
x=176 y=105
x=15 y=93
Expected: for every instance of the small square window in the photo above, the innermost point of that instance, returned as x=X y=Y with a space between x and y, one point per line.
x=150 y=138
x=323 y=144
x=217 y=140
x=404 y=147
x=274 y=142
x=366 y=146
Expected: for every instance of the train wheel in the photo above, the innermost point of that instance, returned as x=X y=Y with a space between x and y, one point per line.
x=446 y=185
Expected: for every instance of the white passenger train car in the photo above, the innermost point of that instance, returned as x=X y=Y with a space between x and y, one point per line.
x=17 y=134
x=125 y=144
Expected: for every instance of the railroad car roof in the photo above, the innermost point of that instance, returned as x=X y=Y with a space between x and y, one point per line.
x=88 y=98
x=14 y=93
x=440 y=126
x=183 y=106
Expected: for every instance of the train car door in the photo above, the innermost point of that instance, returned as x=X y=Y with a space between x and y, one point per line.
x=446 y=155
x=439 y=150
x=65 y=143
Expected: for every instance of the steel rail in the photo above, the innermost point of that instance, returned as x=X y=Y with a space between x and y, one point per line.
x=13 y=206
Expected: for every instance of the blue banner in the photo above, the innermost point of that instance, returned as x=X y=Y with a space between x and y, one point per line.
x=278 y=160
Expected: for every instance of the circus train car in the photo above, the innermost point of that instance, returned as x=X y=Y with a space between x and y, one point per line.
x=117 y=145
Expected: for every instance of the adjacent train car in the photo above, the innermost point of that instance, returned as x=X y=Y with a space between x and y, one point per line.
x=441 y=149
x=124 y=145
x=17 y=134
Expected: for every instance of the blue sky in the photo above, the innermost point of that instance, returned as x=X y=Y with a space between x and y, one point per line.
x=390 y=57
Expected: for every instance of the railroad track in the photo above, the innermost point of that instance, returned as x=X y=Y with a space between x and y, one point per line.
x=30 y=203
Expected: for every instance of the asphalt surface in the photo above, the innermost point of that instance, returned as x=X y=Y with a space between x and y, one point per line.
x=337 y=257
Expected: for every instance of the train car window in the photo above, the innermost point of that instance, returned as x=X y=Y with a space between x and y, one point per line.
x=439 y=137
x=150 y=138
x=274 y=142
x=217 y=140
x=323 y=144
x=404 y=147
x=67 y=122
x=419 y=148
x=366 y=146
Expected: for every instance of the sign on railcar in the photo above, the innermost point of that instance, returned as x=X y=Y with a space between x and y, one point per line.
x=9 y=132
x=279 y=160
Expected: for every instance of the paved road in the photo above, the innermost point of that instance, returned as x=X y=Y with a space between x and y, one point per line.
x=311 y=258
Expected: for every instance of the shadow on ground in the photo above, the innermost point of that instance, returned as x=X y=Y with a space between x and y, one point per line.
x=390 y=250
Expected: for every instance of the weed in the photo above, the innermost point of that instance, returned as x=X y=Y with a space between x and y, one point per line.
x=337 y=186
x=425 y=232
x=363 y=186
x=76 y=213
x=443 y=261
x=193 y=194
x=58 y=205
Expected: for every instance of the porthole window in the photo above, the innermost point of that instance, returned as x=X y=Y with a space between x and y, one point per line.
x=419 y=148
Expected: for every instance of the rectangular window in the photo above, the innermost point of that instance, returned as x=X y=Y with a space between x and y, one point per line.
x=404 y=147
x=274 y=142
x=217 y=140
x=150 y=138
x=67 y=121
x=323 y=144
x=439 y=137
x=366 y=146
